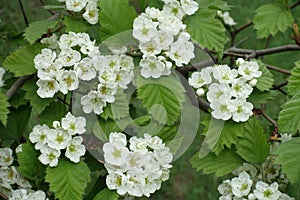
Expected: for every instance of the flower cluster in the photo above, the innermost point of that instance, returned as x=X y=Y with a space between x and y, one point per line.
x=91 y=10
x=228 y=89
x=139 y=168
x=2 y=72
x=50 y=142
x=242 y=188
x=10 y=178
x=25 y=195
x=162 y=36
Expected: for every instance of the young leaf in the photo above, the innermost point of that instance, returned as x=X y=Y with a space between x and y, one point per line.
x=271 y=18
x=214 y=4
x=288 y=156
x=265 y=81
x=54 y=112
x=77 y=25
x=107 y=195
x=115 y=17
x=289 y=116
x=253 y=147
x=206 y=30
x=36 y=29
x=294 y=80
x=3 y=108
x=68 y=180
x=223 y=164
x=20 y=62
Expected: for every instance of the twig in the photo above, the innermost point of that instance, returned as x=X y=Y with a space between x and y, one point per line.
x=14 y=88
x=43 y=4
x=243 y=27
x=23 y=13
x=64 y=101
x=3 y=196
x=295 y=5
x=137 y=7
x=267 y=117
x=284 y=71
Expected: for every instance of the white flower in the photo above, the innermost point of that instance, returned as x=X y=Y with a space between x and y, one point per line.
x=228 y=19
x=19 y=148
x=224 y=74
x=45 y=58
x=170 y=24
x=285 y=197
x=249 y=70
x=163 y=156
x=126 y=63
x=58 y=139
x=124 y=78
x=118 y=50
x=138 y=144
x=75 y=149
x=154 y=142
x=115 y=155
x=150 y=48
x=47 y=87
x=91 y=13
x=200 y=92
x=239 y=61
x=107 y=92
x=85 y=69
x=51 y=42
x=38 y=195
x=18 y=194
x=22 y=182
x=152 y=67
x=174 y=8
x=68 y=81
x=39 y=135
x=118 y=139
x=93 y=102
x=50 y=71
x=66 y=41
x=6 y=157
x=285 y=137
x=263 y=191
x=198 y=79
x=9 y=175
x=218 y=92
x=242 y=111
x=225 y=188
x=222 y=109
x=253 y=82
x=241 y=185
x=75 y=5
x=144 y=28
x=49 y=156
x=189 y=6
x=74 y=125
x=68 y=57
x=165 y=39
x=117 y=181
x=250 y=169
x=240 y=88
x=2 y=72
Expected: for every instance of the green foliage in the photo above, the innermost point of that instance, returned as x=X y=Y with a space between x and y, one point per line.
x=3 y=108
x=294 y=80
x=29 y=165
x=265 y=81
x=21 y=62
x=36 y=29
x=107 y=195
x=115 y=17
x=214 y=4
x=288 y=155
x=223 y=164
x=68 y=180
x=230 y=132
x=253 y=147
x=206 y=30
x=289 y=116
x=271 y=18
x=257 y=97
x=54 y=112
x=76 y=25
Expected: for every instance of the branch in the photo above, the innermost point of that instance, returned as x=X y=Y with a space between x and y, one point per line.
x=284 y=71
x=14 y=88
x=23 y=13
x=3 y=196
x=295 y=5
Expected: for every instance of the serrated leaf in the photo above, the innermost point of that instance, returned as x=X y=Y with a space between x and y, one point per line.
x=107 y=195
x=271 y=18
x=115 y=17
x=294 y=80
x=20 y=62
x=54 y=112
x=206 y=30
x=257 y=97
x=29 y=165
x=68 y=180
x=253 y=147
x=36 y=102
x=289 y=116
x=213 y=4
x=18 y=99
x=3 y=108
x=229 y=135
x=288 y=156
x=36 y=29
x=265 y=81
x=76 y=25
x=226 y=162
x=161 y=98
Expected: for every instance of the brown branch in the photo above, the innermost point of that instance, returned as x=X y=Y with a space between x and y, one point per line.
x=243 y=27
x=23 y=13
x=284 y=71
x=295 y=5
x=267 y=117
x=3 y=196
x=14 y=88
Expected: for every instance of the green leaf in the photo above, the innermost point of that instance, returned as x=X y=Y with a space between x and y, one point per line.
x=36 y=29
x=29 y=165
x=226 y=162
x=294 y=80
x=253 y=147
x=68 y=180
x=54 y=112
x=3 y=108
x=265 y=81
x=115 y=17
x=76 y=25
x=271 y=18
x=20 y=62
x=213 y=4
x=36 y=102
x=206 y=30
x=230 y=133
x=161 y=97
x=107 y=195
x=288 y=155
x=289 y=116
x=257 y=97
x=18 y=99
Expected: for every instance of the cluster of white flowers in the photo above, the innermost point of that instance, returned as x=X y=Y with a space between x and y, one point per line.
x=2 y=72
x=22 y=194
x=10 y=178
x=227 y=19
x=50 y=142
x=162 y=36
x=228 y=89
x=91 y=9
x=138 y=169
x=242 y=188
